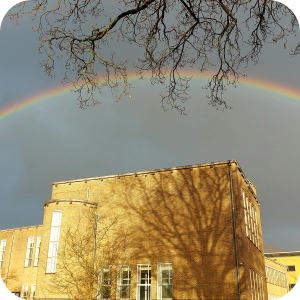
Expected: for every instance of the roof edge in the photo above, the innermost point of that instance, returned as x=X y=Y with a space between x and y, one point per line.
x=228 y=162
x=20 y=228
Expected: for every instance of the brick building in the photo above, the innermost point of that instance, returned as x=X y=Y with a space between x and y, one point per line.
x=277 y=279
x=291 y=260
x=193 y=232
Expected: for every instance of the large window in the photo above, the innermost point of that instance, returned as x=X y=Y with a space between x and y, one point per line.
x=32 y=292
x=104 y=283
x=24 y=291
x=2 y=251
x=257 y=238
x=37 y=251
x=124 y=282
x=29 y=251
x=245 y=213
x=144 y=282
x=54 y=239
x=164 y=281
x=256 y=284
x=249 y=219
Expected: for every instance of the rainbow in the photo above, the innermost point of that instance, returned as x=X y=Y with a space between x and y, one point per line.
x=49 y=94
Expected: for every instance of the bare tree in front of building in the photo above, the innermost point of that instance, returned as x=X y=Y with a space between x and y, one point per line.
x=90 y=248
x=269 y=247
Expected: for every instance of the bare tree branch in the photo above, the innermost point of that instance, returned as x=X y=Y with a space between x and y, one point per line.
x=218 y=35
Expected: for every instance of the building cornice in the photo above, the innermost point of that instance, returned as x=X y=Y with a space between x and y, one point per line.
x=85 y=202
x=282 y=254
x=212 y=164
x=276 y=262
x=21 y=228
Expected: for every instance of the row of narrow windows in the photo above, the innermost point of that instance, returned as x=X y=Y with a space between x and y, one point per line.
x=29 y=251
x=24 y=291
x=276 y=277
x=250 y=220
x=256 y=284
x=143 y=286
x=164 y=283
x=271 y=297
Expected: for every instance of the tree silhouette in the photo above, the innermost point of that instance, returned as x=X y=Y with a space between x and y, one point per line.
x=221 y=36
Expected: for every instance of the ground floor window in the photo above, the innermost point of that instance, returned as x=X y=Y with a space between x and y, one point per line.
x=32 y=292
x=104 y=283
x=24 y=291
x=144 y=282
x=124 y=282
x=164 y=281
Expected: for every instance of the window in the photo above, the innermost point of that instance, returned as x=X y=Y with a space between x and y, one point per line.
x=37 y=251
x=29 y=251
x=291 y=268
x=144 y=282
x=17 y=294
x=291 y=286
x=104 y=283
x=2 y=251
x=164 y=281
x=124 y=282
x=32 y=292
x=24 y=291
x=245 y=213
x=256 y=233
x=248 y=214
x=251 y=284
x=254 y=225
x=262 y=288
x=285 y=280
x=53 y=244
x=256 y=284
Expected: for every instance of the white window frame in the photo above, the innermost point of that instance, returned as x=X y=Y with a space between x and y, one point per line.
x=29 y=251
x=122 y=281
x=160 y=284
x=32 y=292
x=255 y=283
x=245 y=212
x=143 y=267
x=252 y=223
x=54 y=240
x=262 y=288
x=106 y=269
x=257 y=236
x=251 y=283
x=249 y=217
x=2 y=252
x=24 y=291
x=37 y=250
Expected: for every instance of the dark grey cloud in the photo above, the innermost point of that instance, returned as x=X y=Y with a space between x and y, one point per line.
x=55 y=140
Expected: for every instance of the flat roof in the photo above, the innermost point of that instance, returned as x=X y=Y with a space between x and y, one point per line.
x=282 y=254
x=21 y=228
x=276 y=262
x=211 y=164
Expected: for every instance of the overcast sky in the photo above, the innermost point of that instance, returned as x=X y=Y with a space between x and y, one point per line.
x=55 y=140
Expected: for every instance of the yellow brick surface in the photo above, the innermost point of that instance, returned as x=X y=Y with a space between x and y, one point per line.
x=275 y=288
x=19 y=274
x=181 y=216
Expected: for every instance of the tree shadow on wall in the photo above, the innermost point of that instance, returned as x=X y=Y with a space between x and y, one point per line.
x=183 y=217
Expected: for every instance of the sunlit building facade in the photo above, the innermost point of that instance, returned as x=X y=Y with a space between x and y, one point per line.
x=193 y=232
